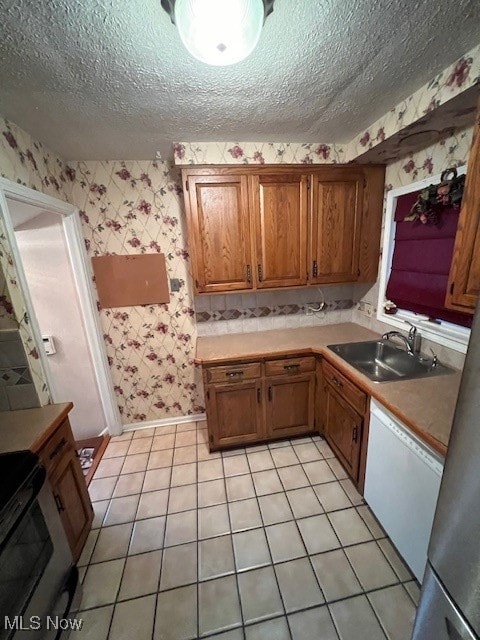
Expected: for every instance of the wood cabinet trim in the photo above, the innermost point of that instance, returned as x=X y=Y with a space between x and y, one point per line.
x=462 y=295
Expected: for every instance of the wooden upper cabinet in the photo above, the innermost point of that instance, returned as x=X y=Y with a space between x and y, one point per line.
x=268 y=227
x=337 y=200
x=464 y=281
x=279 y=207
x=219 y=232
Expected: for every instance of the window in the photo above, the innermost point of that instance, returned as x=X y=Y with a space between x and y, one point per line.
x=415 y=267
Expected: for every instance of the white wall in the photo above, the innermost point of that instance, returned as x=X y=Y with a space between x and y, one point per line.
x=45 y=260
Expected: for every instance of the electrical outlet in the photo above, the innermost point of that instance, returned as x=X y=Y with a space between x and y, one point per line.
x=368 y=309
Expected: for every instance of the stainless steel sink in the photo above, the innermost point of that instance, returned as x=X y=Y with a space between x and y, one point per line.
x=382 y=361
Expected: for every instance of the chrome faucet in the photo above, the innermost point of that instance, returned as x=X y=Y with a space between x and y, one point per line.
x=412 y=341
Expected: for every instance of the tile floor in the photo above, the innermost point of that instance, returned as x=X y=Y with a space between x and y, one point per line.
x=270 y=542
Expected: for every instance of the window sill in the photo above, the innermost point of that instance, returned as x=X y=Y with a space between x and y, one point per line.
x=446 y=334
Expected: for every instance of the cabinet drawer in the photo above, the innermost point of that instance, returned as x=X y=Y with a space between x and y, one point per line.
x=234 y=372
x=289 y=365
x=350 y=392
x=56 y=446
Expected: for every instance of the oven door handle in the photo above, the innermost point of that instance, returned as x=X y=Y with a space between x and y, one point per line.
x=15 y=512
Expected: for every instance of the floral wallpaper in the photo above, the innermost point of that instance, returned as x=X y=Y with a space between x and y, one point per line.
x=449 y=152
x=129 y=208
x=456 y=78
x=256 y=153
x=29 y=163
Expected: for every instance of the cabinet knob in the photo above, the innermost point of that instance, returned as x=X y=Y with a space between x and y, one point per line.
x=58 y=502
x=248 y=270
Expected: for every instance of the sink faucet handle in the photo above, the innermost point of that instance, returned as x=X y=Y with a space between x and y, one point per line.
x=434 y=358
x=413 y=329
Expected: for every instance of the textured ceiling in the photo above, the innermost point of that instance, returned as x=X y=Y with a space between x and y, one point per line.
x=106 y=79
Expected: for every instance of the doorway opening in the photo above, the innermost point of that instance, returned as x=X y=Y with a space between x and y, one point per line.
x=54 y=277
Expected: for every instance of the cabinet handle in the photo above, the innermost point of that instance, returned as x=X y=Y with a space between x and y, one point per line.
x=258 y=396
x=260 y=273
x=337 y=382
x=234 y=374
x=355 y=434
x=58 y=502
x=58 y=448
x=248 y=270
x=291 y=367
x=315 y=269
x=270 y=394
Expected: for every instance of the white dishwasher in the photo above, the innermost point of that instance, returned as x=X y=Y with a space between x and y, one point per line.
x=402 y=482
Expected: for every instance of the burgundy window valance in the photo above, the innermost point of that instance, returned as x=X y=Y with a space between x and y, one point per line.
x=421 y=263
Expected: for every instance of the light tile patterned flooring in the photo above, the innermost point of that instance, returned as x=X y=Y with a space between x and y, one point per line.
x=270 y=542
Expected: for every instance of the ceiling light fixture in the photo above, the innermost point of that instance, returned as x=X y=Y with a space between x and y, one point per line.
x=219 y=32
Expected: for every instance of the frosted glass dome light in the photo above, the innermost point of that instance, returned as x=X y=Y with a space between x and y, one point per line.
x=220 y=32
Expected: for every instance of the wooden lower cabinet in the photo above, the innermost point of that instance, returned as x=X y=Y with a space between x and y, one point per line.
x=343 y=429
x=344 y=421
x=58 y=455
x=245 y=405
x=290 y=405
x=234 y=413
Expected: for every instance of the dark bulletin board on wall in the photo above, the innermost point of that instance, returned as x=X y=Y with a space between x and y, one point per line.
x=130 y=280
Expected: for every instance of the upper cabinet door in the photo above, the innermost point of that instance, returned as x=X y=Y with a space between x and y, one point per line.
x=464 y=282
x=220 y=232
x=279 y=206
x=337 y=200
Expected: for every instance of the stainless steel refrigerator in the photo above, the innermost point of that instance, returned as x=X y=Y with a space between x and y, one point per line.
x=449 y=607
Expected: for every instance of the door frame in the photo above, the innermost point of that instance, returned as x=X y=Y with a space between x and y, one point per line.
x=79 y=260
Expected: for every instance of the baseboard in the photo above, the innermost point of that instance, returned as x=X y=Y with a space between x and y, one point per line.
x=164 y=422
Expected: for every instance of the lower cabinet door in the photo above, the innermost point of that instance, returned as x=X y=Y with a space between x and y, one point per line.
x=343 y=430
x=72 y=499
x=290 y=401
x=234 y=413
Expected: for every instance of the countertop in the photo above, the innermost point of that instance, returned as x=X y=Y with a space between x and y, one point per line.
x=426 y=405
x=30 y=428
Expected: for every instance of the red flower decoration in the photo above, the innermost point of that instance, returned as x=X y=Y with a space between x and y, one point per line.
x=70 y=173
x=236 y=151
x=123 y=174
x=10 y=138
x=323 y=150
x=134 y=242
x=178 y=150
x=460 y=72
x=144 y=206
x=146 y=179
x=258 y=157
x=365 y=139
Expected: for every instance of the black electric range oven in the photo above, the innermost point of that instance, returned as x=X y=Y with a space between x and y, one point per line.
x=39 y=586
